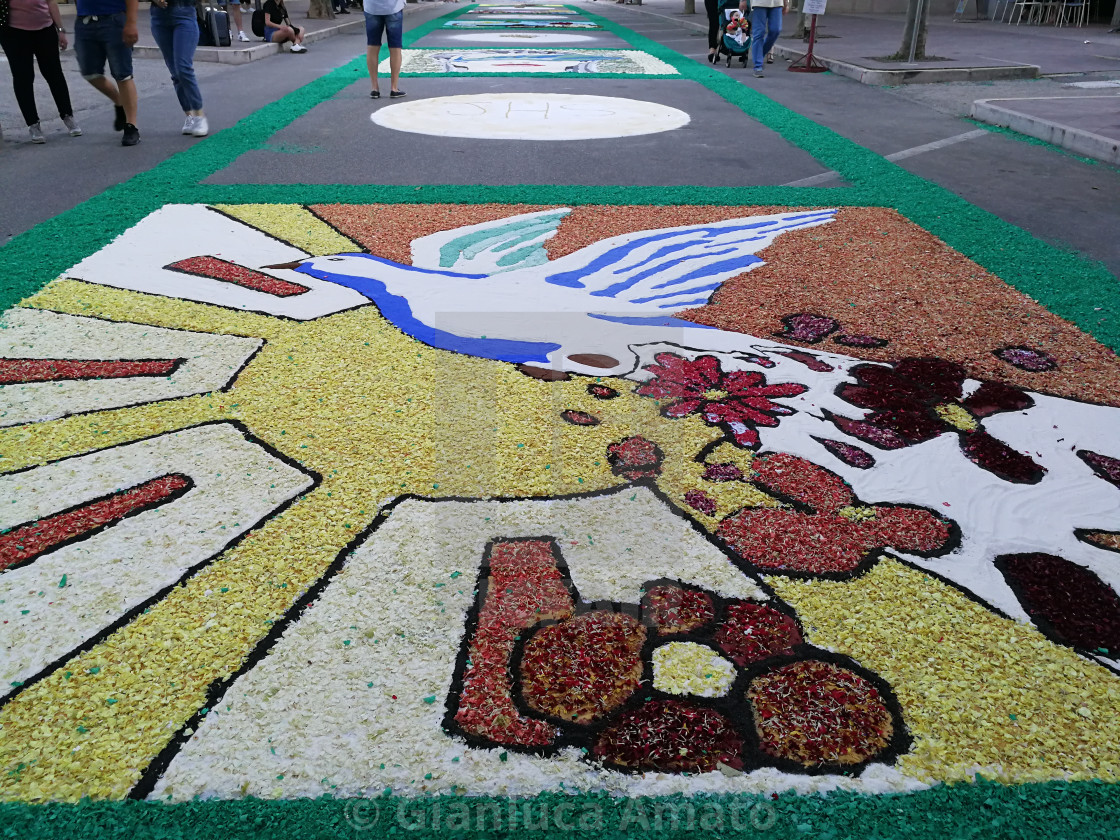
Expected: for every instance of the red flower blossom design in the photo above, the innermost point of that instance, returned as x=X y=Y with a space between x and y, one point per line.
x=827 y=530
x=916 y=400
x=634 y=458
x=739 y=401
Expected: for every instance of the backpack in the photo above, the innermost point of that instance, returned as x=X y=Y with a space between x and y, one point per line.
x=258 y=23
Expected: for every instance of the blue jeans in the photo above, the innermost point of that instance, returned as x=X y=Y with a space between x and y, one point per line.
x=176 y=31
x=766 y=26
x=96 y=41
x=392 y=25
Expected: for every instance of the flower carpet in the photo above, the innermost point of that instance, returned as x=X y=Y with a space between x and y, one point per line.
x=330 y=510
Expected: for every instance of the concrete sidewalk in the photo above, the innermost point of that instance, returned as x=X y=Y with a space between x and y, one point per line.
x=240 y=52
x=1084 y=120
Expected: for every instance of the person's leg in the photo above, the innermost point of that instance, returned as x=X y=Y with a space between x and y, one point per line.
x=45 y=43
x=119 y=55
x=773 y=28
x=163 y=30
x=712 y=9
x=394 y=30
x=20 y=58
x=282 y=34
x=758 y=36
x=184 y=44
x=375 y=24
x=234 y=10
x=89 y=48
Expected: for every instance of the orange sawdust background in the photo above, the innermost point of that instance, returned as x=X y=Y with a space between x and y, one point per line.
x=871 y=269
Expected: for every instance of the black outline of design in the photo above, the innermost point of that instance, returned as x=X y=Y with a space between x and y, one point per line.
x=176 y=269
x=1044 y=625
x=229 y=383
x=1083 y=533
x=92 y=532
x=1053 y=362
x=131 y=614
x=175 y=365
x=870 y=557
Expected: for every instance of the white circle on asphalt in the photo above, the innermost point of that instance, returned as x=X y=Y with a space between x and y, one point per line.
x=507 y=37
x=530 y=116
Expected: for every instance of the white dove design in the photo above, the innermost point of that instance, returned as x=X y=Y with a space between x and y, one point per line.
x=489 y=290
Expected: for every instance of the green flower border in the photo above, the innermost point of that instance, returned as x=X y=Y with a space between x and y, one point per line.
x=1069 y=285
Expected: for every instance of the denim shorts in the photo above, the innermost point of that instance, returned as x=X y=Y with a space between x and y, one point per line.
x=99 y=40
x=392 y=25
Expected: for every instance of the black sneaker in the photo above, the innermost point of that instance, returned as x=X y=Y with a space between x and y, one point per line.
x=131 y=135
x=119 y=121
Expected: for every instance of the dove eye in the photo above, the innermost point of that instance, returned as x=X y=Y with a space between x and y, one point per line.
x=335 y=259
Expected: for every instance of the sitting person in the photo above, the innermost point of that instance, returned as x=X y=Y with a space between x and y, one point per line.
x=278 y=29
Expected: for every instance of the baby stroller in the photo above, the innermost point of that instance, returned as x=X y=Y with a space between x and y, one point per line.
x=734 y=33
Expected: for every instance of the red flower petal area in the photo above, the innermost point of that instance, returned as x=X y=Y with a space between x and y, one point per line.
x=848 y=340
x=807 y=327
x=822 y=540
x=1068 y=600
x=1104 y=466
x=916 y=400
x=583 y=668
x=227 y=272
x=701 y=501
x=26 y=542
x=808 y=359
x=815 y=713
x=579 y=418
x=634 y=458
x=752 y=632
x=670 y=736
x=676 y=609
x=602 y=392
x=853 y=456
x=1027 y=358
x=524 y=586
x=738 y=400
x=722 y=472
x=19 y=371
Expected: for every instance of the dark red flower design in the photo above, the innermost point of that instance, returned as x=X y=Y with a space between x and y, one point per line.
x=1066 y=600
x=853 y=456
x=722 y=472
x=807 y=327
x=602 y=392
x=676 y=609
x=579 y=418
x=835 y=534
x=701 y=501
x=753 y=632
x=738 y=401
x=1027 y=358
x=634 y=458
x=916 y=400
x=1104 y=466
x=671 y=736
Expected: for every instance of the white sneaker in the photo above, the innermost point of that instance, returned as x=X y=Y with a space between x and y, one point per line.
x=36 y=133
x=188 y=126
x=72 y=127
x=201 y=127
x=298 y=48
x=241 y=36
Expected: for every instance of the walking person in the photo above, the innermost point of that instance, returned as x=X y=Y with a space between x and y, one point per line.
x=175 y=28
x=105 y=30
x=278 y=29
x=766 y=26
x=33 y=33
x=711 y=8
x=384 y=16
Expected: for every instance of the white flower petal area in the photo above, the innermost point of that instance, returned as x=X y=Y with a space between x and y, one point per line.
x=203 y=363
x=531 y=61
x=138 y=259
x=690 y=668
x=515 y=37
x=61 y=599
x=351 y=699
x=530 y=116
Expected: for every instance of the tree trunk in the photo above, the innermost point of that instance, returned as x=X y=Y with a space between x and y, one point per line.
x=321 y=10
x=690 y=7
x=912 y=21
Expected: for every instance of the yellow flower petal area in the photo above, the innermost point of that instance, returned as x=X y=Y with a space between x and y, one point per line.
x=689 y=668
x=979 y=693
x=680 y=475
x=296 y=225
x=956 y=416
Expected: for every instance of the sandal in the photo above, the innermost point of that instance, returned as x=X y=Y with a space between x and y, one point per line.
x=375 y=94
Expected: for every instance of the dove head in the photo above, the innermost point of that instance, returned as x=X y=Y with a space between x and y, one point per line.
x=373 y=276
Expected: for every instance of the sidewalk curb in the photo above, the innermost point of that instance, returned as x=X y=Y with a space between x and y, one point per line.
x=1001 y=112
x=243 y=55
x=888 y=77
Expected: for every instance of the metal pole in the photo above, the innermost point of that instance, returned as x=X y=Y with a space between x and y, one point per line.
x=914 y=34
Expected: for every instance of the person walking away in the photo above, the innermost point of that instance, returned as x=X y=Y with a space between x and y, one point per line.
x=766 y=26
x=278 y=29
x=384 y=16
x=105 y=30
x=33 y=32
x=175 y=28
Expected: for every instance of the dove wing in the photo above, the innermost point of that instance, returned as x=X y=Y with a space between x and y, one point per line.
x=491 y=247
x=667 y=270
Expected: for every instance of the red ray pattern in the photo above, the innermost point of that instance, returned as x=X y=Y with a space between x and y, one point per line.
x=20 y=371
x=227 y=272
